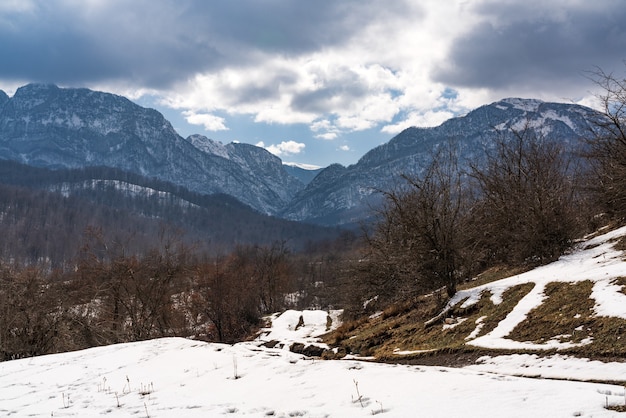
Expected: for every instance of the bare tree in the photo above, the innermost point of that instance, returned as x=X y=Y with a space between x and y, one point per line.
x=226 y=297
x=135 y=293
x=608 y=144
x=526 y=210
x=418 y=242
x=31 y=314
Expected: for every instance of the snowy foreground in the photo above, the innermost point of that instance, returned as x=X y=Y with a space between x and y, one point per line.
x=174 y=377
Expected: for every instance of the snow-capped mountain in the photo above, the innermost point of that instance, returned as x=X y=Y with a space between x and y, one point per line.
x=345 y=194
x=48 y=126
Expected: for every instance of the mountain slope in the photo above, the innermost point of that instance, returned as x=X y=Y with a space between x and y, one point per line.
x=48 y=126
x=44 y=214
x=302 y=174
x=575 y=305
x=345 y=194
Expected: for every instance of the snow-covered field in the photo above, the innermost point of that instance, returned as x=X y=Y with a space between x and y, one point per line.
x=174 y=377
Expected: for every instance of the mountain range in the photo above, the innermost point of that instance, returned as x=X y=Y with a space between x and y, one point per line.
x=46 y=126
x=341 y=195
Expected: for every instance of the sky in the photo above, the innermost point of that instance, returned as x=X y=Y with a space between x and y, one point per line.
x=313 y=82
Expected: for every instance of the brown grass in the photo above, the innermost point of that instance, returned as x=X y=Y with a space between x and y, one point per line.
x=620 y=244
x=491 y=275
x=617 y=408
x=402 y=328
x=567 y=315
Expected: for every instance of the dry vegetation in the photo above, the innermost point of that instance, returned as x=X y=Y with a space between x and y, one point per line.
x=398 y=333
x=400 y=327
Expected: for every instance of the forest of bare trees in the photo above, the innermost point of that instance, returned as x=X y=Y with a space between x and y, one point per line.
x=113 y=295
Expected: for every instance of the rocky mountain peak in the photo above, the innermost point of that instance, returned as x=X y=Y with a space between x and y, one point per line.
x=208 y=145
x=3 y=97
x=528 y=105
x=47 y=126
x=341 y=194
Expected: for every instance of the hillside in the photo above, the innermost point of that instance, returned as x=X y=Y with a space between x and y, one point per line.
x=46 y=126
x=546 y=342
x=342 y=195
x=44 y=214
x=574 y=306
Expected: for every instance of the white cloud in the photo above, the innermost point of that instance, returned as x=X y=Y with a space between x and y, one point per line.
x=321 y=125
x=376 y=67
x=210 y=122
x=347 y=87
x=344 y=148
x=303 y=166
x=327 y=130
x=421 y=120
x=17 y=6
x=328 y=136
x=284 y=148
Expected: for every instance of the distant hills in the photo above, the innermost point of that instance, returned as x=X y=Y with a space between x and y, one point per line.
x=51 y=215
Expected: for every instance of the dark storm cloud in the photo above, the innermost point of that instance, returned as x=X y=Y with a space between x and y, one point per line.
x=518 y=46
x=157 y=43
x=70 y=44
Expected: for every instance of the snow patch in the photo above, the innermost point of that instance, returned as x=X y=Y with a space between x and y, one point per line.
x=300 y=326
x=527 y=105
x=596 y=260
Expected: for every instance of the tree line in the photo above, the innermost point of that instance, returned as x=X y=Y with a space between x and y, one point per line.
x=44 y=213
x=114 y=295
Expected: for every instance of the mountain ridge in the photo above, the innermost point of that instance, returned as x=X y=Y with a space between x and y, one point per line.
x=48 y=126
x=345 y=195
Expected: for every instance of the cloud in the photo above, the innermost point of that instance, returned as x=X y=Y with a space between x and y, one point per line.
x=334 y=69
x=328 y=136
x=535 y=45
x=422 y=120
x=160 y=44
x=285 y=148
x=210 y=122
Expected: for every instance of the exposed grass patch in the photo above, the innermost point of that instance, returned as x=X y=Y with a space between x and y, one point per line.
x=609 y=338
x=491 y=275
x=617 y=408
x=620 y=244
x=402 y=328
x=496 y=313
x=565 y=315
x=622 y=282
